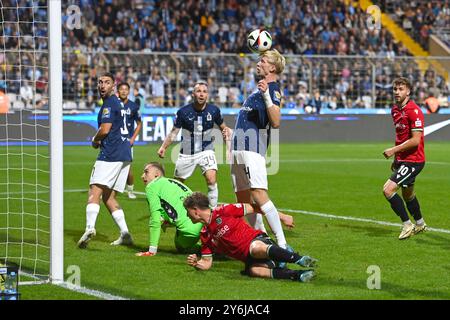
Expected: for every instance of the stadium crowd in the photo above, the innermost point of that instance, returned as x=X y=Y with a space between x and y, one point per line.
x=333 y=27
x=420 y=18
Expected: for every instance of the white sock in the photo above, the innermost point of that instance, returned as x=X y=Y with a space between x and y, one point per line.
x=420 y=221
x=273 y=218
x=92 y=210
x=213 y=195
x=256 y=221
x=408 y=222
x=130 y=187
x=119 y=218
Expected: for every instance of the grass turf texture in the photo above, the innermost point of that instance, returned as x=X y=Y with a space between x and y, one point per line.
x=339 y=179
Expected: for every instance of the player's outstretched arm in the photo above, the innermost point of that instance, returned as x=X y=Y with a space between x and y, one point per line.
x=226 y=132
x=203 y=264
x=168 y=141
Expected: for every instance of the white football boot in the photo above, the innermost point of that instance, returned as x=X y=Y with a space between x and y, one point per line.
x=85 y=238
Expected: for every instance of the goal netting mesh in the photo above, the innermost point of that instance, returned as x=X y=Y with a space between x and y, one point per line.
x=24 y=137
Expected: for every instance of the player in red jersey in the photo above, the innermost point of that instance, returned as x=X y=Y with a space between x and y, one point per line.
x=409 y=158
x=226 y=232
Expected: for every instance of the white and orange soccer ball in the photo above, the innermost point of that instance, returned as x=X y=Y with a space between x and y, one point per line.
x=259 y=40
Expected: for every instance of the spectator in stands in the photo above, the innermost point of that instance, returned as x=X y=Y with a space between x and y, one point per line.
x=138 y=99
x=157 y=84
x=432 y=104
x=4 y=100
x=315 y=103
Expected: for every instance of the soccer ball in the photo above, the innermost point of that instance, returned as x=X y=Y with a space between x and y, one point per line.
x=259 y=40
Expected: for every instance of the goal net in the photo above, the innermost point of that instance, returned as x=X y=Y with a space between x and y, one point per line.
x=25 y=137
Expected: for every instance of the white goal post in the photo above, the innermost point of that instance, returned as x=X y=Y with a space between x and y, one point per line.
x=31 y=139
x=56 y=143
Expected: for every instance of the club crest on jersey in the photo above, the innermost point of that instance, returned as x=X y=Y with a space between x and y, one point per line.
x=277 y=95
x=219 y=220
x=106 y=113
x=208 y=117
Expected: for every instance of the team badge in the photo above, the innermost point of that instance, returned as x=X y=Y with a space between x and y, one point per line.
x=208 y=117
x=278 y=95
x=219 y=220
x=106 y=113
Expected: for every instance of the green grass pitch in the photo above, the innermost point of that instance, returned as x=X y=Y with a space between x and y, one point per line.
x=340 y=179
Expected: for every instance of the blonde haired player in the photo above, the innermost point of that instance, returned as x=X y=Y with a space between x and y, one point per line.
x=259 y=113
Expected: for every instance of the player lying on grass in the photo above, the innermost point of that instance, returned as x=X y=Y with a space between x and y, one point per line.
x=226 y=232
x=165 y=199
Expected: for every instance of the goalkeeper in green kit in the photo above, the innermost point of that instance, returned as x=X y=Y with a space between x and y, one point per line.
x=165 y=199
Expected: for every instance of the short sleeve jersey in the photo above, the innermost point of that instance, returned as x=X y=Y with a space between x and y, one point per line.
x=197 y=127
x=406 y=120
x=228 y=233
x=133 y=115
x=116 y=145
x=252 y=130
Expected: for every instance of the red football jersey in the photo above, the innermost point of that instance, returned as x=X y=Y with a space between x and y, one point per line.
x=408 y=119
x=228 y=233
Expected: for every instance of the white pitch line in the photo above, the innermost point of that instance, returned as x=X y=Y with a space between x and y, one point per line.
x=354 y=160
x=331 y=216
x=71 y=287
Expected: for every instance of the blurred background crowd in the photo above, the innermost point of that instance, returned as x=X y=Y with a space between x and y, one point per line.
x=161 y=48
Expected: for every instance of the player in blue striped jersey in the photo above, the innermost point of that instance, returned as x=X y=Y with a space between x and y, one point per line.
x=197 y=120
x=133 y=117
x=259 y=113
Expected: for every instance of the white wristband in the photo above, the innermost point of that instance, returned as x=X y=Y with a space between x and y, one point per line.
x=267 y=99
x=152 y=249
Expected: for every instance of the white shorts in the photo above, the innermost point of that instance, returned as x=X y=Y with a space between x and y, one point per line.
x=186 y=164
x=111 y=174
x=248 y=170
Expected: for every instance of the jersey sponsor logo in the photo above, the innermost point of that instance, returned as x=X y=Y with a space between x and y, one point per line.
x=418 y=123
x=222 y=231
x=106 y=113
x=248 y=109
